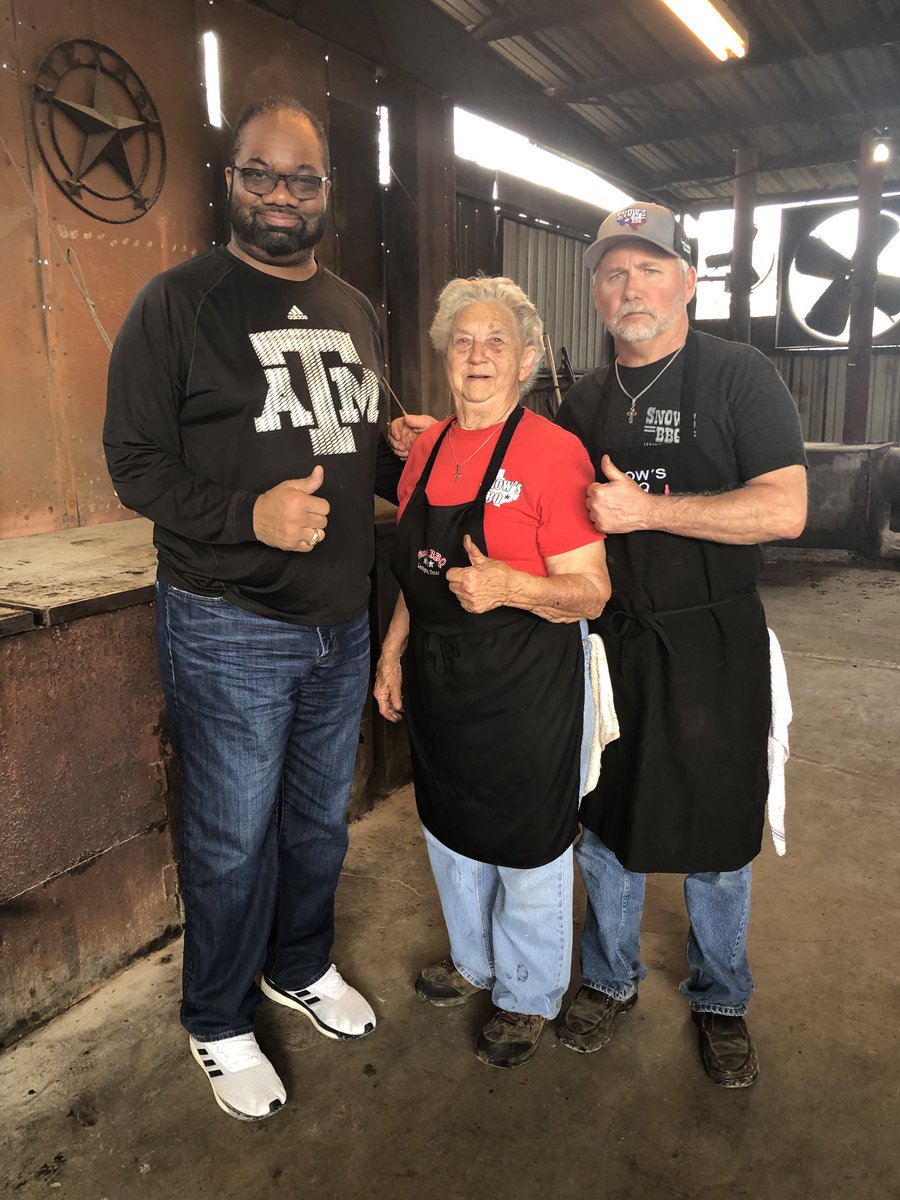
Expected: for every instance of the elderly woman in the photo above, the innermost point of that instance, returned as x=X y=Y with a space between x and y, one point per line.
x=497 y=562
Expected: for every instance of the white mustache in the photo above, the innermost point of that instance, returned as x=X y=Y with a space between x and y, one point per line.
x=630 y=308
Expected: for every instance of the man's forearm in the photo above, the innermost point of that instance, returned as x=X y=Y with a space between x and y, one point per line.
x=754 y=513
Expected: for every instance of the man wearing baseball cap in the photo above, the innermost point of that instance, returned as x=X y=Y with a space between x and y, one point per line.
x=699 y=456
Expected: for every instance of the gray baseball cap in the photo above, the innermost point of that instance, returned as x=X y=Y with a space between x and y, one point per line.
x=647 y=222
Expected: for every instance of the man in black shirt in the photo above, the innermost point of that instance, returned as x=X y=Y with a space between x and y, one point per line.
x=698 y=444
x=243 y=419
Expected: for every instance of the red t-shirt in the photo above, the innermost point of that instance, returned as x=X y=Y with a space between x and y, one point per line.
x=536 y=505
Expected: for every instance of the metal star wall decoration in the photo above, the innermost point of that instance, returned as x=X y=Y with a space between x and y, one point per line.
x=91 y=109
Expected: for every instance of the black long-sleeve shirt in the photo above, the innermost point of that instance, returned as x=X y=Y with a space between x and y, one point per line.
x=225 y=381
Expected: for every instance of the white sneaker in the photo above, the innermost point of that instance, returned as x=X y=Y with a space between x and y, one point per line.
x=333 y=1006
x=244 y=1082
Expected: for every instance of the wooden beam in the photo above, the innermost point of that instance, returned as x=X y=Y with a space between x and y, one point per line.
x=741 y=267
x=862 y=295
x=537 y=17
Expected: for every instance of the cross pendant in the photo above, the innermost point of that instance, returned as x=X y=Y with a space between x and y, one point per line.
x=457 y=473
x=632 y=412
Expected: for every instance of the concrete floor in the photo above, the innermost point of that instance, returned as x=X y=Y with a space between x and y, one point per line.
x=105 y=1102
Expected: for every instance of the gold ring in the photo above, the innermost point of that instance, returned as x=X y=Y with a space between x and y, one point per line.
x=316 y=534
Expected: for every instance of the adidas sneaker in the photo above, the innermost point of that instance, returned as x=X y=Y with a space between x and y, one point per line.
x=244 y=1082
x=333 y=1006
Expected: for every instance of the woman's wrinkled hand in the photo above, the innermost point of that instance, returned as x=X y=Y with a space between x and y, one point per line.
x=485 y=585
x=404 y=431
x=388 y=689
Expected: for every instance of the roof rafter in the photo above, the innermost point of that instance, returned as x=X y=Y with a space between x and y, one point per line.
x=536 y=17
x=693 y=124
x=855 y=36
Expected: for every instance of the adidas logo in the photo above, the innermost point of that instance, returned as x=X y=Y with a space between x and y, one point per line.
x=297 y=314
x=209 y=1063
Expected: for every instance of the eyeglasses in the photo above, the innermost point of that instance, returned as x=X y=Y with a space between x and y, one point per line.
x=260 y=183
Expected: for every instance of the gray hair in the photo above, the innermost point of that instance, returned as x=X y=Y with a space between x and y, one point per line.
x=489 y=289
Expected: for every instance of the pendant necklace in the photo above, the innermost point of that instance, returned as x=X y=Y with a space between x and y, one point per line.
x=481 y=446
x=632 y=412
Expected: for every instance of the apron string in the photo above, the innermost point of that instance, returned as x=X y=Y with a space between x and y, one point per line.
x=651 y=620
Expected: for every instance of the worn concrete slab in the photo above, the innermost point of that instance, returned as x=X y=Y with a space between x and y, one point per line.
x=105 y=1101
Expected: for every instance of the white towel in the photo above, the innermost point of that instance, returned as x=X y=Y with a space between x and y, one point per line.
x=778 y=745
x=601 y=722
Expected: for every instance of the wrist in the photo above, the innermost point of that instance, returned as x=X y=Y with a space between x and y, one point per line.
x=655 y=512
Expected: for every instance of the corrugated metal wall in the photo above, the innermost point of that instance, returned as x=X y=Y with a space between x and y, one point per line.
x=817 y=382
x=550 y=267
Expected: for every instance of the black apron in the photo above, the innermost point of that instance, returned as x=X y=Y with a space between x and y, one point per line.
x=684 y=788
x=494 y=700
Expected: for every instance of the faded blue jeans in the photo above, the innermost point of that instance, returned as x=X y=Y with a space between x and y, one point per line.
x=718 y=906
x=265 y=717
x=510 y=928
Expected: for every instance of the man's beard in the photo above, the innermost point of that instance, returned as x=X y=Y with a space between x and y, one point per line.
x=656 y=323
x=251 y=231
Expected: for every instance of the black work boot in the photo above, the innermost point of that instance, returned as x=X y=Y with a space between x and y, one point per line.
x=727 y=1052
x=509 y=1039
x=587 y=1024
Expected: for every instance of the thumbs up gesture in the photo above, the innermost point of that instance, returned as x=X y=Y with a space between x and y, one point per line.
x=484 y=585
x=621 y=505
x=290 y=516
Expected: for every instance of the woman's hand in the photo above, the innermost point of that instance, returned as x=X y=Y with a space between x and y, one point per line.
x=404 y=431
x=486 y=584
x=388 y=689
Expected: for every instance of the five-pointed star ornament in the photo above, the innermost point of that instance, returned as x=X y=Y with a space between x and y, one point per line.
x=106 y=131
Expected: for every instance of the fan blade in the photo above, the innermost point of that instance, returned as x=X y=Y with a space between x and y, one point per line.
x=831 y=311
x=887 y=229
x=887 y=294
x=815 y=257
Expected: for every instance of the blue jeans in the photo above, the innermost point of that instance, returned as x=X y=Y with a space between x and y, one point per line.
x=718 y=905
x=265 y=717
x=510 y=928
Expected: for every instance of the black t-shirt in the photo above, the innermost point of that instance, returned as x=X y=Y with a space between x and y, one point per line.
x=225 y=381
x=746 y=421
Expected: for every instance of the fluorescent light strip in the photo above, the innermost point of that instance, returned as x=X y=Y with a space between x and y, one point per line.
x=384 y=146
x=211 y=79
x=707 y=22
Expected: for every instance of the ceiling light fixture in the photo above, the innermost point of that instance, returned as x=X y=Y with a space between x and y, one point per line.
x=714 y=24
x=881 y=150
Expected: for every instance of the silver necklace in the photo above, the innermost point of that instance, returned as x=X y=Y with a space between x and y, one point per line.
x=481 y=446
x=632 y=412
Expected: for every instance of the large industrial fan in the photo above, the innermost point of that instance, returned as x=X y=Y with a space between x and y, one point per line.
x=817 y=248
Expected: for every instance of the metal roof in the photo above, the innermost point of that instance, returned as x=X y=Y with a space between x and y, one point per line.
x=668 y=118
x=623 y=87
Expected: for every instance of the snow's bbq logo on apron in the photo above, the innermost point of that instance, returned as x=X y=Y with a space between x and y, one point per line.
x=430 y=562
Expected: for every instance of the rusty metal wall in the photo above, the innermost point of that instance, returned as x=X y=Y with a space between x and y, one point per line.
x=817 y=382
x=52 y=389
x=550 y=267
x=51 y=408
x=86 y=861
